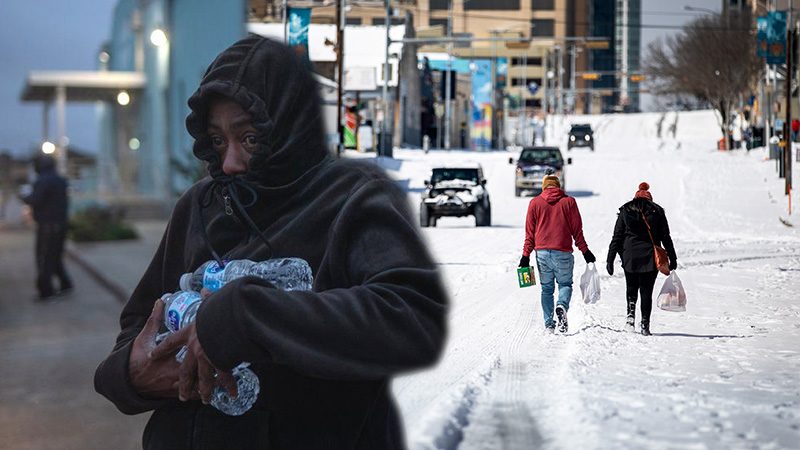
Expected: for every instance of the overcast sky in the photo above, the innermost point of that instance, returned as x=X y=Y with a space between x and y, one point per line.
x=67 y=34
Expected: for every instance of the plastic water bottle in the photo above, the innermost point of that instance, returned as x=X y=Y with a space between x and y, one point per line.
x=288 y=274
x=180 y=309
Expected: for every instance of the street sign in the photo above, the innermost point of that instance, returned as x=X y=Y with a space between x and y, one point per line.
x=776 y=37
x=762 y=25
x=360 y=79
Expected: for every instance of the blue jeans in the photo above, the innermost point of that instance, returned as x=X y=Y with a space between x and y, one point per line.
x=554 y=266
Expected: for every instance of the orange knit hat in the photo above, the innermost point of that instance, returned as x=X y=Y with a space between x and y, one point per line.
x=644 y=191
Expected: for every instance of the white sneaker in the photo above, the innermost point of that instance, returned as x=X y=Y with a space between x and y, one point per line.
x=561 y=313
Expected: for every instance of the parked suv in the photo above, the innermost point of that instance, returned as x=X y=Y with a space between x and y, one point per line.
x=581 y=135
x=457 y=192
x=533 y=164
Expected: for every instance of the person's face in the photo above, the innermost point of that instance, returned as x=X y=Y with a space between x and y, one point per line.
x=232 y=134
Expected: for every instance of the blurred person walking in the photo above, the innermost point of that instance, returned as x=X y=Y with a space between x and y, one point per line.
x=552 y=223
x=641 y=224
x=49 y=202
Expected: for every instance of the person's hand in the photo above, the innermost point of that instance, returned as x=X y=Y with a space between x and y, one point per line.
x=525 y=261
x=610 y=267
x=673 y=264
x=589 y=257
x=196 y=374
x=152 y=376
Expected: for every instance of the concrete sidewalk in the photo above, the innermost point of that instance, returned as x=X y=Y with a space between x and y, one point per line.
x=119 y=265
x=50 y=349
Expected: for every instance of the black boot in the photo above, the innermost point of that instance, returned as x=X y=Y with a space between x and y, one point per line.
x=645 y=328
x=631 y=320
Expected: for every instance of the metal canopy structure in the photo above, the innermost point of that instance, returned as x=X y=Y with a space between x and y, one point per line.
x=60 y=87
x=80 y=86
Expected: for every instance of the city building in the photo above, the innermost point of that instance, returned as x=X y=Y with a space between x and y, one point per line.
x=627 y=49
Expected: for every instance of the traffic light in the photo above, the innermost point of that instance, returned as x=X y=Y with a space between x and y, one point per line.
x=637 y=78
x=590 y=76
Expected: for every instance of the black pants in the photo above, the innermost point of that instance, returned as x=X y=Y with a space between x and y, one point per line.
x=49 y=263
x=640 y=283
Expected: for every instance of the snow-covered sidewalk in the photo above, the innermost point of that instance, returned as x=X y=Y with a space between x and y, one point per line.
x=723 y=374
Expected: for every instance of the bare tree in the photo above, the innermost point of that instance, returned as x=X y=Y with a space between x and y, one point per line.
x=712 y=59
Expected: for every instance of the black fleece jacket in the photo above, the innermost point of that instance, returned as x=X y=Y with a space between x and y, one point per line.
x=631 y=239
x=325 y=357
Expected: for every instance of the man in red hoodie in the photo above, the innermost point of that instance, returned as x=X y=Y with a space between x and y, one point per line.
x=553 y=221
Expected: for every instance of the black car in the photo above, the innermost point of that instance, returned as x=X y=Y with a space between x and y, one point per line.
x=533 y=164
x=456 y=192
x=581 y=135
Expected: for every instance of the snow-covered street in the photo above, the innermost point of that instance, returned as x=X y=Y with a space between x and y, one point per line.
x=723 y=374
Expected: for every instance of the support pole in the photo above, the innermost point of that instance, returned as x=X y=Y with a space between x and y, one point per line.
x=448 y=78
x=45 y=122
x=339 y=74
x=61 y=129
x=385 y=141
x=787 y=125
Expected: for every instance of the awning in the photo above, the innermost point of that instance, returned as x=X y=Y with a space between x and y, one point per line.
x=80 y=86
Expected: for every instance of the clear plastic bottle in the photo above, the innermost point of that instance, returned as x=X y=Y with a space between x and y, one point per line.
x=288 y=274
x=180 y=309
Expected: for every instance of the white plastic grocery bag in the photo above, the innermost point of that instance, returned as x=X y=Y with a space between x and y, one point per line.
x=672 y=296
x=590 y=284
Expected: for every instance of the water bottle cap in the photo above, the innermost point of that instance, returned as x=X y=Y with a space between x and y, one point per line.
x=186 y=282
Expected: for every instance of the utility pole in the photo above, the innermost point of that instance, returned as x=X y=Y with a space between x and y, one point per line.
x=572 y=62
x=787 y=151
x=386 y=149
x=559 y=85
x=339 y=74
x=448 y=77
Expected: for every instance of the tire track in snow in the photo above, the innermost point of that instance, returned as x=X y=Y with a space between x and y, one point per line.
x=503 y=412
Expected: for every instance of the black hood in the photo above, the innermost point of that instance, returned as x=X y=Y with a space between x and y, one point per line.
x=277 y=89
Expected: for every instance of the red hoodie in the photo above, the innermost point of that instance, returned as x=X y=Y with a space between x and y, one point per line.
x=552 y=223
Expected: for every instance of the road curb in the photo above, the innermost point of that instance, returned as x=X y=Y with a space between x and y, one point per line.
x=114 y=288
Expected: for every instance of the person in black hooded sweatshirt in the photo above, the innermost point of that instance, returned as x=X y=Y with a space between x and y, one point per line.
x=49 y=201
x=632 y=242
x=324 y=357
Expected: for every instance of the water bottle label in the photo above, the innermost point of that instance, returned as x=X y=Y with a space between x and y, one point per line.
x=178 y=308
x=214 y=276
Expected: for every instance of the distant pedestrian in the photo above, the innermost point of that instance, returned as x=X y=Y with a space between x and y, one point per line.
x=49 y=202
x=638 y=219
x=552 y=223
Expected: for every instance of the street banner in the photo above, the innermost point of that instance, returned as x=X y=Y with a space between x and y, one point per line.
x=297 y=37
x=762 y=24
x=481 y=104
x=776 y=37
x=502 y=73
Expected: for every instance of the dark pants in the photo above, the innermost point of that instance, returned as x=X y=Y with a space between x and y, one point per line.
x=49 y=263
x=640 y=283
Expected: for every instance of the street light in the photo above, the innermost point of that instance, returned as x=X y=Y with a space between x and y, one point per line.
x=123 y=98
x=158 y=37
x=48 y=148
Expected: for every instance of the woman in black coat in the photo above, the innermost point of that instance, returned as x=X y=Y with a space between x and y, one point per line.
x=632 y=241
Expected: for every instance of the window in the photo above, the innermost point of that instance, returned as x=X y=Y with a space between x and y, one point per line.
x=542 y=27
x=352 y=20
x=382 y=21
x=439 y=5
x=526 y=81
x=531 y=61
x=543 y=5
x=508 y=5
x=433 y=21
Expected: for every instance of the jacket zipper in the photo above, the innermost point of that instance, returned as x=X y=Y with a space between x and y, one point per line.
x=227 y=199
